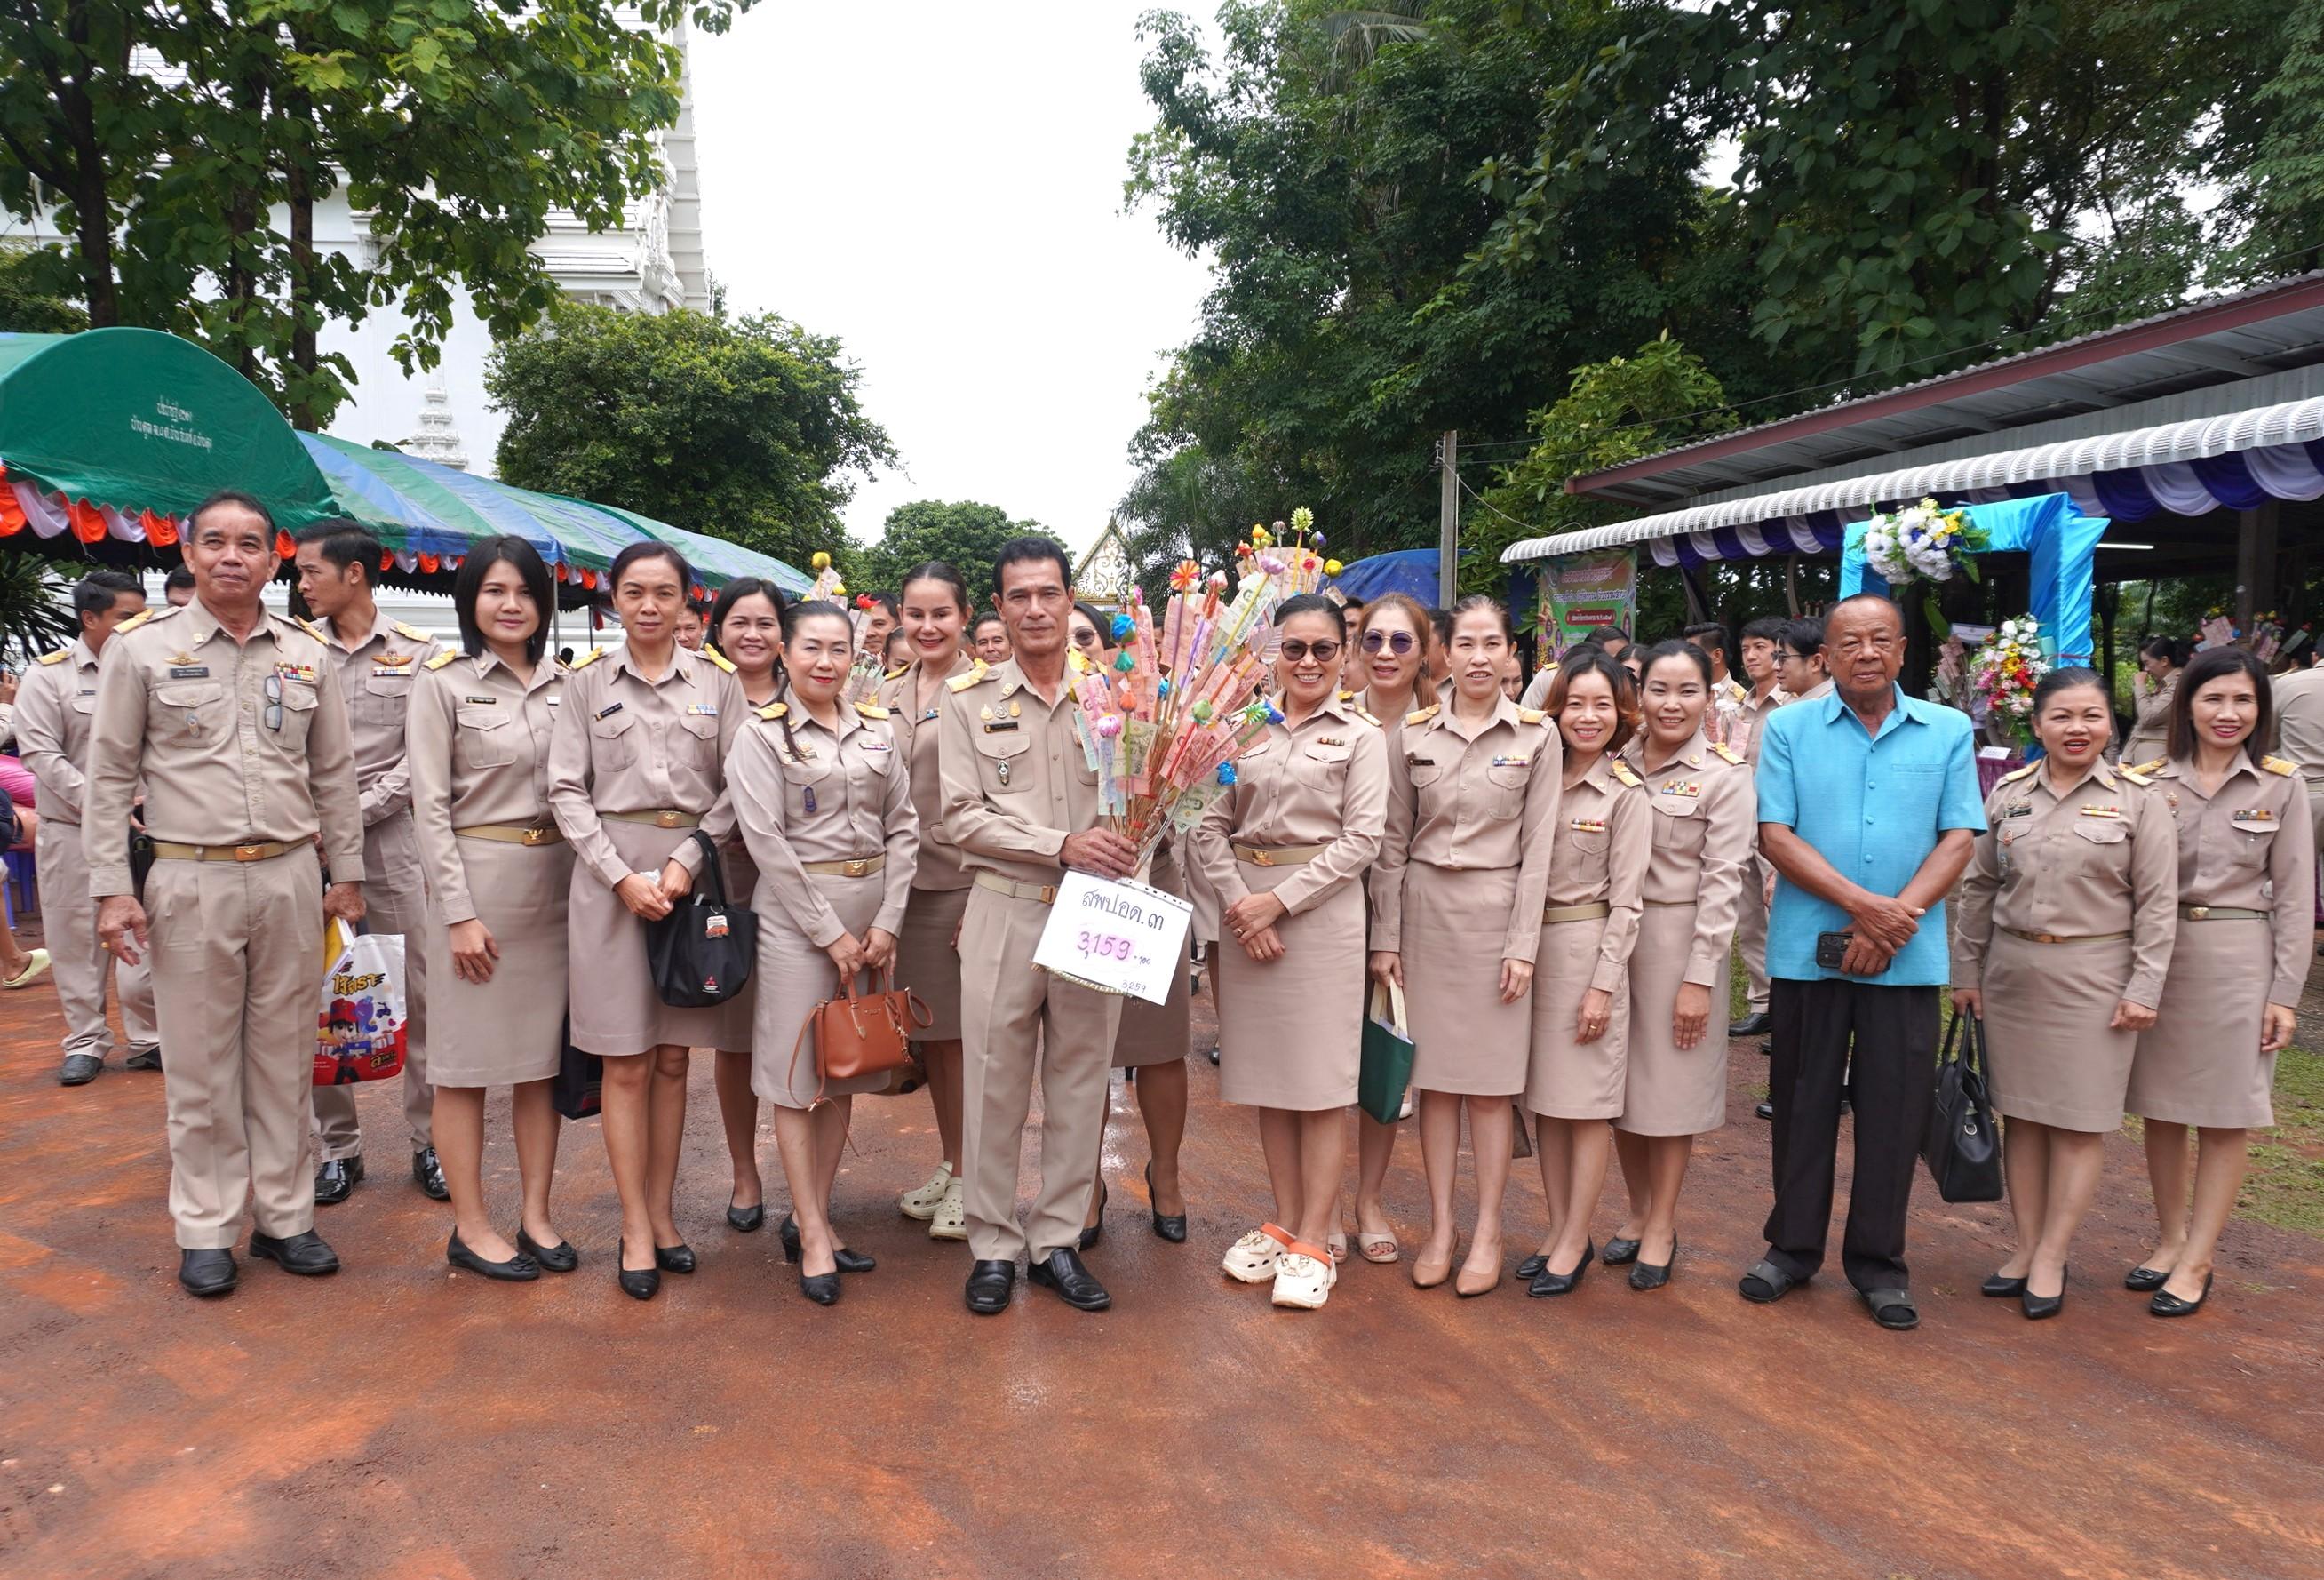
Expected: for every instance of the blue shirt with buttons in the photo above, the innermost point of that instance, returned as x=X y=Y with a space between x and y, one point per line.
x=1874 y=806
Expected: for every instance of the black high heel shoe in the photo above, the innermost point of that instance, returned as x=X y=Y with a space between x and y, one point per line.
x=747 y=1220
x=636 y=1283
x=2166 y=1304
x=848 y=1262
x=674 y=1259
x=2037 y=1306
x=560 y=1257
x=1546 y=1283
x=1096 y=1232
x=823 y=1289
x=1170 y=1226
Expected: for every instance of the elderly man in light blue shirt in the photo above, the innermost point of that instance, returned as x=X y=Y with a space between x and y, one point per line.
x=1869 y=804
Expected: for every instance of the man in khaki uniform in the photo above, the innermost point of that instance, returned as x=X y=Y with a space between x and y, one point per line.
x=378 y=661
x=2300 y=722
x=231 y=718
x=1740 y=732
x=1020 y=804
x=53 y=712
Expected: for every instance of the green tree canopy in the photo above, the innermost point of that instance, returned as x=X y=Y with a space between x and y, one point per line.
x=964 y=533
x=748 y=430
x=27 y=306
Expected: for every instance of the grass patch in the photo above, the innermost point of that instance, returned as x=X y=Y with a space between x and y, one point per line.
x=2285 y=1186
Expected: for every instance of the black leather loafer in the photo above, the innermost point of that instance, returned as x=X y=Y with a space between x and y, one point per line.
x=145 y=1058
x=207 y=1273
x=1756 y=1024
x=1546 y=1283
x=2145 y=1281
x=642 y=1283
x=846 y=1261
x=337 y=1181
x=989 y=1284
x=428 y=1174
x=1170 y=1226
x=1075 y=1285
x=674 y=1259
x=1619 y=1251
x=560 y=1257
x=518 y=1269
x=305 y=1254
x=79 y=1070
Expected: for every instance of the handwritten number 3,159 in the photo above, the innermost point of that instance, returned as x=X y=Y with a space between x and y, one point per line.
x=1103 y=945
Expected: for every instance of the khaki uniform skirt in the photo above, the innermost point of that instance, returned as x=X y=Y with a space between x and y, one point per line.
x=1566 y=1079
x=2201 y=1062
x=794 y=976
x=1464 y=1040
x=1668 y=1090
x=1291 y=1031
x=928 y=962
x=2046 y=1008
x=1158 y=1033
x=510 y=1028
x=616 y=1010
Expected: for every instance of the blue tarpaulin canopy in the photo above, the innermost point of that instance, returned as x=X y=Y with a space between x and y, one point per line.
x=2052 y=529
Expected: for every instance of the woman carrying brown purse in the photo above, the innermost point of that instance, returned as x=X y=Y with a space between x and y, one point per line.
x=825 y=802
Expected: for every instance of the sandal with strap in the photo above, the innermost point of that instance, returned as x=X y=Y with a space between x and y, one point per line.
x=1767 y=1283
x=1893 y=1309
x=1378 y=1249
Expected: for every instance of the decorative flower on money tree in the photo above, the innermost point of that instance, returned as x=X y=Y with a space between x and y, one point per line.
x=2003 y=674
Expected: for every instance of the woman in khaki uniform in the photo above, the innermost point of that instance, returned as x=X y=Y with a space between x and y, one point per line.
x=1674 y=1077
x=638 y=762
x=1599 y=851
x=2161 y=660
x=746 y=626
x=2247 y=901
x=2068 y=912
x=1286 y=848
x=824 y=800
x=927 y=950
x=1391 y=644
x=1456 y=917
x=499 y=879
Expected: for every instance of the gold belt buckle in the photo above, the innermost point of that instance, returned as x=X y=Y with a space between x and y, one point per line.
x=1262 y=858
x=2199 y=913
x=535 y=836
x=665 y=820
x=1048 y=893
x=249 y=852
x=855 y=866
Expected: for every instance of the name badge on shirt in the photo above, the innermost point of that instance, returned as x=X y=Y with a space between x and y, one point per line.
x=483 y=701
x=385 y=671
x=878 y=746
x=1683 y=787
x=994 y=727
x=703 y=709
x=190 y=671
x=608 y=711
x=2113 y=812
x=1510 y=761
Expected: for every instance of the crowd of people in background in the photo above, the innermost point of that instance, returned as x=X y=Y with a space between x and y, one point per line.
x=1549 y=876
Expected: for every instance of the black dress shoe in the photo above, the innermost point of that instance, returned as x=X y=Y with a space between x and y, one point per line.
x=823 y=1289
x=303 y=1253
x=674 y=1259
x=518 y=1269
x=1546 y=1283
x=79 y=1070
x=1075 y=1285
x=1758 y=1023
x=147 y=1058
x=1096 y=1232
x=638 y=1283
x=1998 y=1288
x=1170 y=1226
x=747 y=1220
x=337 y=1181
x=1619 y=1251
x=1531 y=1265
x=560 y=1257
x=207 y=1273
x=989 y=1287
x=2144 y=1280
x=1647 y=1275
x=2037 y=1306
x=1764 y=1110
x=846 y=1261
x=428 y=1174
x=2166 y=1304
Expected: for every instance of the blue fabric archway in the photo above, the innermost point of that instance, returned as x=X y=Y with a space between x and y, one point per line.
x=2050 y=527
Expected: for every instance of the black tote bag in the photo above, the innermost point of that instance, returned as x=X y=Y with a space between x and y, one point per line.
x=580 y=1080
x=1963 y=1145
x=702 y=952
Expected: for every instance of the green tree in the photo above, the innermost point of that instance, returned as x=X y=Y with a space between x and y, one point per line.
x=745 y=429
x=964 y=533
x=27 y=305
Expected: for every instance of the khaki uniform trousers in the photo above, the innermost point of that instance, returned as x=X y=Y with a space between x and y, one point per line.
x=1014 y=1017
x=76 y=959
x=395 y=897
x=237 y=953
x=1751 y=937
x=2315 y=809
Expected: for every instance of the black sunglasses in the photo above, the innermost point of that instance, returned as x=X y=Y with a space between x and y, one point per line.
x=1296 y=650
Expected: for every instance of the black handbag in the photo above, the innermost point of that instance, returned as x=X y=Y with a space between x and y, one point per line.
x=702 y=952
x=1963 y=1145
x=580 y=1079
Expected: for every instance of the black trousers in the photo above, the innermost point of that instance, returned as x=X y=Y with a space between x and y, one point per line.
x=1893 y=1031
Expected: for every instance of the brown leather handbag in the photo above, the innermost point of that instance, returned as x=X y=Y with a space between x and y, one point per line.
x=861 y=1034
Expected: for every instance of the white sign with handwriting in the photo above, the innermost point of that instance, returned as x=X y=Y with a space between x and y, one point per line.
x=1127 y=939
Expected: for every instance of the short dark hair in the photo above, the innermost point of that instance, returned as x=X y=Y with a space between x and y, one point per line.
x=531 y=569
x=2211 y=664
x=179 y=576
x=650 y=550
x=1804 y=635
x=1708 y=634
x=1674 y=650
x=344 y=542
x=1590 y=659
x=1765 y=628
x=94 y=593
x=885 y=600
x=229 y=496
x=979 y=624
x=1310 y=604
x=1027 y=550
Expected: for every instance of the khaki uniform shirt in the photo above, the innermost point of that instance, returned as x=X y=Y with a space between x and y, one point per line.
x=1459 y=802
x=54 y=705
x=1016 y=782
x=811 y=795
x=2299 y=719
x=1322 y=783
x=2102 y=858
x=2150 y=730
x=1741 y=728
x=239 y=742
x=916 y=735
x=2248 y=846
x=1598 y=850
x=479 y=753
x=377 y=672
x=1706 y=815
x=624 y=744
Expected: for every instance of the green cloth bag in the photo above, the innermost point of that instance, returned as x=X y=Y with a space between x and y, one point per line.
x=1387 y=1066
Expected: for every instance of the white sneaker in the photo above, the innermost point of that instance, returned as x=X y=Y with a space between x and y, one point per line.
x=950 y=1220
x=1251 y=1258
x=1304 y=1280
x=922 y=1204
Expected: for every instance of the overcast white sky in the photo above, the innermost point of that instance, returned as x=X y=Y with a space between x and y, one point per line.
x=940 y=186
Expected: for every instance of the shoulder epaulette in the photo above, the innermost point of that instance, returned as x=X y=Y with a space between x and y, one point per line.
x=313 y=630
x=870 y=710
x=590 y=657
x=2132 y=774
x=898 y=673
x=2015 y=774
x=1366 y=717
x=441 y=659
x=1530 y=716
x=2154 y=767
x=720 y=659
x=416 y=634
x=1421 y=716
x=1729 y=752
x=62 y=654
x=2280 y=765
x=1347 y=696
x=1621 y=770
x=774 y=710
x=962 y=682
x=134 y=621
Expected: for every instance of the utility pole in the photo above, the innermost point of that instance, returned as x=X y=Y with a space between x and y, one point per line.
x=1448 y=518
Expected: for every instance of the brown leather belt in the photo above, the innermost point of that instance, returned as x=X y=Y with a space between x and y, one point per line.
x=2221 y=913
x=264 y=850
x=1047 y=893
x=662 y=819
x=854 y=866
x=512 y=834
x=1669 y=904
x=1590 y=912
x=2066 y=938
x=1286 y=855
